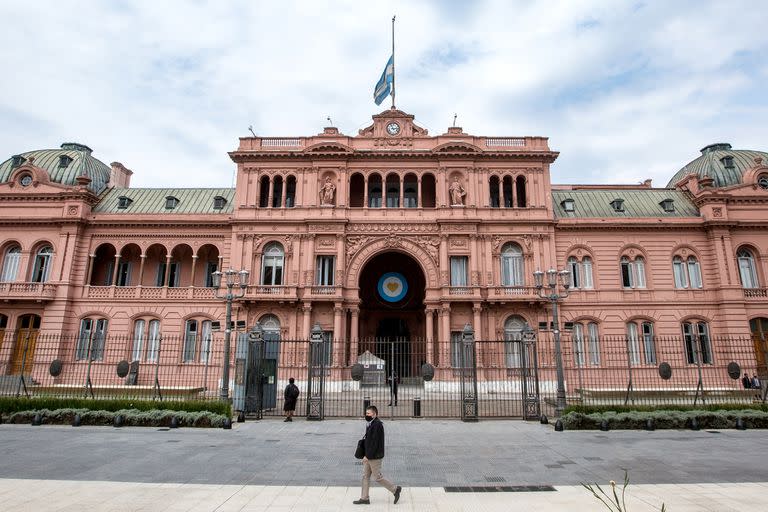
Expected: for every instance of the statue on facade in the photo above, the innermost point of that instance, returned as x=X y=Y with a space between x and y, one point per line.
x=327 y=192
x=457 y=193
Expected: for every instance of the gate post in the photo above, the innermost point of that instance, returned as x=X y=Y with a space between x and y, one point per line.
x=316 y=374
x=469 y=406
x=254 y=389
x=530 y=377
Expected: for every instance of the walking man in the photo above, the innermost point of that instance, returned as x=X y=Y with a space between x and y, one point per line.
x=374 y=456
x=291 y=396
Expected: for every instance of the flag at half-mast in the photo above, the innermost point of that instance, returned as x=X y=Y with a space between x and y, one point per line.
x=384 y=85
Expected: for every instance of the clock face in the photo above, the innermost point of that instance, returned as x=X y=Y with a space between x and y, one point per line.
x=26 y=180
x=393 y=128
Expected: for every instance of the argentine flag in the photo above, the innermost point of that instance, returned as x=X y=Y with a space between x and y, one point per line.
x=384 y=85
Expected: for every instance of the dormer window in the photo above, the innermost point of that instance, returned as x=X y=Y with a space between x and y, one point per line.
x=728 y=162
x=17 y=161
x=617 y=205
x=219 y=203
x=171 y=203
x=64 y=161
x=668 y=205
x=568 y=205
x=124 y=202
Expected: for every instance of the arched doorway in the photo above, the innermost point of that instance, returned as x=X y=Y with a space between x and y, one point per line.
x=392 y=322
x=24 y=347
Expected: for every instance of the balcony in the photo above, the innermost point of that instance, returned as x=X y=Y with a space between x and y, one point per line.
x=325 y=292
x=512 y=293
x=280 y=293
x=756 y=293
x=149 y=292
x=27 y=291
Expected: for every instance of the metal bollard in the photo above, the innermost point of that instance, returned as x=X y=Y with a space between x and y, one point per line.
x=366 y=404
x=417 y=407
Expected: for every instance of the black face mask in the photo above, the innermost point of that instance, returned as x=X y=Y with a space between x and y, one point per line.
x=368 y=418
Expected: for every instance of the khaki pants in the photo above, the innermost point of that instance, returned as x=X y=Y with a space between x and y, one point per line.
x=373 y=468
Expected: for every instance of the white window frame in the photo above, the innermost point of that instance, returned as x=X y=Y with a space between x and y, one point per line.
x=512 y=265
x=513 y=341
x=633 y=343
x=459 y=271
x=93 y=331
x=11 y=262
x=577 y=336
x=190 y=341
x=694 y=272
x=593 y=333
x=42 y=265
x=273 y=259
x=747 y=269
x=325 y=270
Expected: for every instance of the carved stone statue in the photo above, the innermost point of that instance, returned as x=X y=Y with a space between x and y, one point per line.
x=457 y=193
x=327 y=192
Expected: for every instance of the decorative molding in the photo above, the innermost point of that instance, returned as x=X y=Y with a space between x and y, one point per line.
x=458 y=242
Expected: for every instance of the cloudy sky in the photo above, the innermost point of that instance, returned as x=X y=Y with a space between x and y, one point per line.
x=624 y=90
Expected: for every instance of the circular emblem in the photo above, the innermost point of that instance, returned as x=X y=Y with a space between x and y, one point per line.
x=734 y=370
x=392 y=286
x=393 y=128
x=26 y=180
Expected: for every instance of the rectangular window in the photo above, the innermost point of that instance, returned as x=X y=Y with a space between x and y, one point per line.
x=639 y=267
x=513 y=348
x=459 y=270
x=633 y=346
x=578 y=344
x=174 y=274
x=11 y=265
x=696 y=338
x=680 y=274
x=124 y=273
x=325 y=268
x=210 y=268
x=108 y=273
x=594 y=344
x=690 y=343
x=694 y=271
x=190 y=341
x=92 y=336
x=573 y=266
x=138 y=341
x=206 y=337
x=705 y=346
x=153 y=347
x=456 y=349
x=586 y=273
x=83 y=340
x=160 y=281
x=649 y=346
x=626 y=274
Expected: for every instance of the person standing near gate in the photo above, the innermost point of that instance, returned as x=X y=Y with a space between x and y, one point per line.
x=373 y=458
x=393 y=379
x=291 y=397
x=746 y=381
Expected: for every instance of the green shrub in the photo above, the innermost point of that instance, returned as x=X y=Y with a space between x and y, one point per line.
x=588 y=409
x=10 y=405
x=669 y=419
x=132 y=417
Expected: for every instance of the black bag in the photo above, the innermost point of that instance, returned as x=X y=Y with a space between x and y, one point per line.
x=360 y=451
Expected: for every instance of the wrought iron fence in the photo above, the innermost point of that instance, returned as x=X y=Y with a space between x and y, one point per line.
x=501 y=378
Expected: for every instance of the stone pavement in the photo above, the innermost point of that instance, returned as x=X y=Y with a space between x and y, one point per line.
x=271 y=465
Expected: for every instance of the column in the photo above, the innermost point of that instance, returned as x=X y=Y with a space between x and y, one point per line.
x=444 y=268
x=271 y=192
x=365 y=191
x=340 y=262
x=489 y=259
x=338 y=336
x=309 y=262
x=430 y=317
x=143 y=258
x=418 y=191
x=402 y=192
x=474 y=263
x=113 y=279
x=307 y=309
x=167 y=270
x=89 y=272
x=194 y=266
x=501 y=191
x=354 y=334
x=284 y=192
x=444 y=340
x=514 y=191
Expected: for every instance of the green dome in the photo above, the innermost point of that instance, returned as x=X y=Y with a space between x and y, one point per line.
x=77 y=161
x=721 y=163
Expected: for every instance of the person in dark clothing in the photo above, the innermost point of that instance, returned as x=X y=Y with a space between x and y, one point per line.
x=746 y=381
x=374 y=455
x=291 y=396
x=393 y=379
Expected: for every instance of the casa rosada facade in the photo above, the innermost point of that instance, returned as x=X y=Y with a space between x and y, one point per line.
x=393 y=232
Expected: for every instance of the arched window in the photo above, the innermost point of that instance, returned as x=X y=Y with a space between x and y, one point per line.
x=632 y=272
x=513 y=336
x=290 y=192
x=687 y=273
x=581 y=272
x=428 y=191
x=493 y=184
x=272 y=265
x=93 y=333
x=271 y=326
x=696 y=338
x=146 y=340
x=264 y=192
x=11 y=261
x=641 y=343
x=410 y=191
x=42 y=265
x=3 y=327
x=522 y=201
x=393 y=191
x=507 y=191
x=374 y=191
x=680 y=272
x=356 y=190
x=196 y=330
x=277 y=192
x=512 y=268
x=747 y=270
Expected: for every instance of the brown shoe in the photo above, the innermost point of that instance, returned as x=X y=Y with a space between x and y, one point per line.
x=397 y=494
x=362 y=501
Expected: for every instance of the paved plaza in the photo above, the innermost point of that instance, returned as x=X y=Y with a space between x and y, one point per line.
x=302 y=466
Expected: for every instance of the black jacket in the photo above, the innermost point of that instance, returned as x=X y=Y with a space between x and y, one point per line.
x=374 y=439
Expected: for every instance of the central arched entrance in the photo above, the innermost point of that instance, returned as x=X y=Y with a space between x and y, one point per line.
x=392 y=322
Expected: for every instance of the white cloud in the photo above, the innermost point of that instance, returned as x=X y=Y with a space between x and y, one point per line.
x=624 y=91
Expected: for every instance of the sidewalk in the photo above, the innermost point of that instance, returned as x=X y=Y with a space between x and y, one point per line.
x=65 y=495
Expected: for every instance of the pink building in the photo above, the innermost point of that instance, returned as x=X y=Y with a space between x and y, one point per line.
x=389 y=233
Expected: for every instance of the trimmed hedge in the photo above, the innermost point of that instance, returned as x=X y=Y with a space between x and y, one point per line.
x=590 y=409
x=131 y=417
x=673 y=419
x=9 y=405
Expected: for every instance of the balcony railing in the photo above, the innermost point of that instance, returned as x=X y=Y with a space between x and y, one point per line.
x=271 y=291
x=149 y=292
x=513 y=291
x=34 y=291
x=324 y=290
x=755 y=293
x=460 y=290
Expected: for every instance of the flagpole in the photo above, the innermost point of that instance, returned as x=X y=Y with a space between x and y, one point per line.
x=393 y=61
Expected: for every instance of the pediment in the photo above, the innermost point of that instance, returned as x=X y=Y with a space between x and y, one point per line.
x=329 y=147
x=456 y=147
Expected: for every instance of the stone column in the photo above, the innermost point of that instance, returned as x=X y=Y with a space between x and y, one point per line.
x=141 y=268
x=402 y=192
x=501 y=191
x=429 y=338
x=365 y=191
x=167 y=270
x=341 y=263
x=338 y=336
x=284 y=192
x=307 y=310
x=514 y=191
x=479 y=333
x=309 y=262
x=113 y=279
x=474 y=263
x=444 y=266
x=418 y=191
x=194 y=265
x=271 y=192
x=444 y=338
x=88 y=273
x=354 y=334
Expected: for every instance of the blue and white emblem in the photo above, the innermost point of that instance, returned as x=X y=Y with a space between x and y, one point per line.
x=392 y=287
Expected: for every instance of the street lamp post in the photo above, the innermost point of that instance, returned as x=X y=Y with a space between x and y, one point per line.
x=233 y=278
x=557 y=287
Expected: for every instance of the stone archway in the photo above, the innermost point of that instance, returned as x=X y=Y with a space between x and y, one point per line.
x=423 y=249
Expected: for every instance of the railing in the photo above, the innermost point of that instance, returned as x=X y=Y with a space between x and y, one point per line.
x=505 y=142
x=324 y=290
x=18 y=291
x=271 y=291
x=514 y=291
x=460 y=290
x=149 y=292
x=755 y=293
x=275 y=142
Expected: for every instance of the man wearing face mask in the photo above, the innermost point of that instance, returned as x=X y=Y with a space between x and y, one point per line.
x=374 y=455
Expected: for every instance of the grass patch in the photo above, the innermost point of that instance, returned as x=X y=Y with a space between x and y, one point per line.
x=10 y=405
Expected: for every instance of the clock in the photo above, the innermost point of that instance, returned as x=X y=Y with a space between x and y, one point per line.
x=393 y=128
x=26 y=180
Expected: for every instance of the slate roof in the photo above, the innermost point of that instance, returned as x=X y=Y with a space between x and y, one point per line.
x=83 y=163
x=638 y=203
x=152 y=201
x=711 y=164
